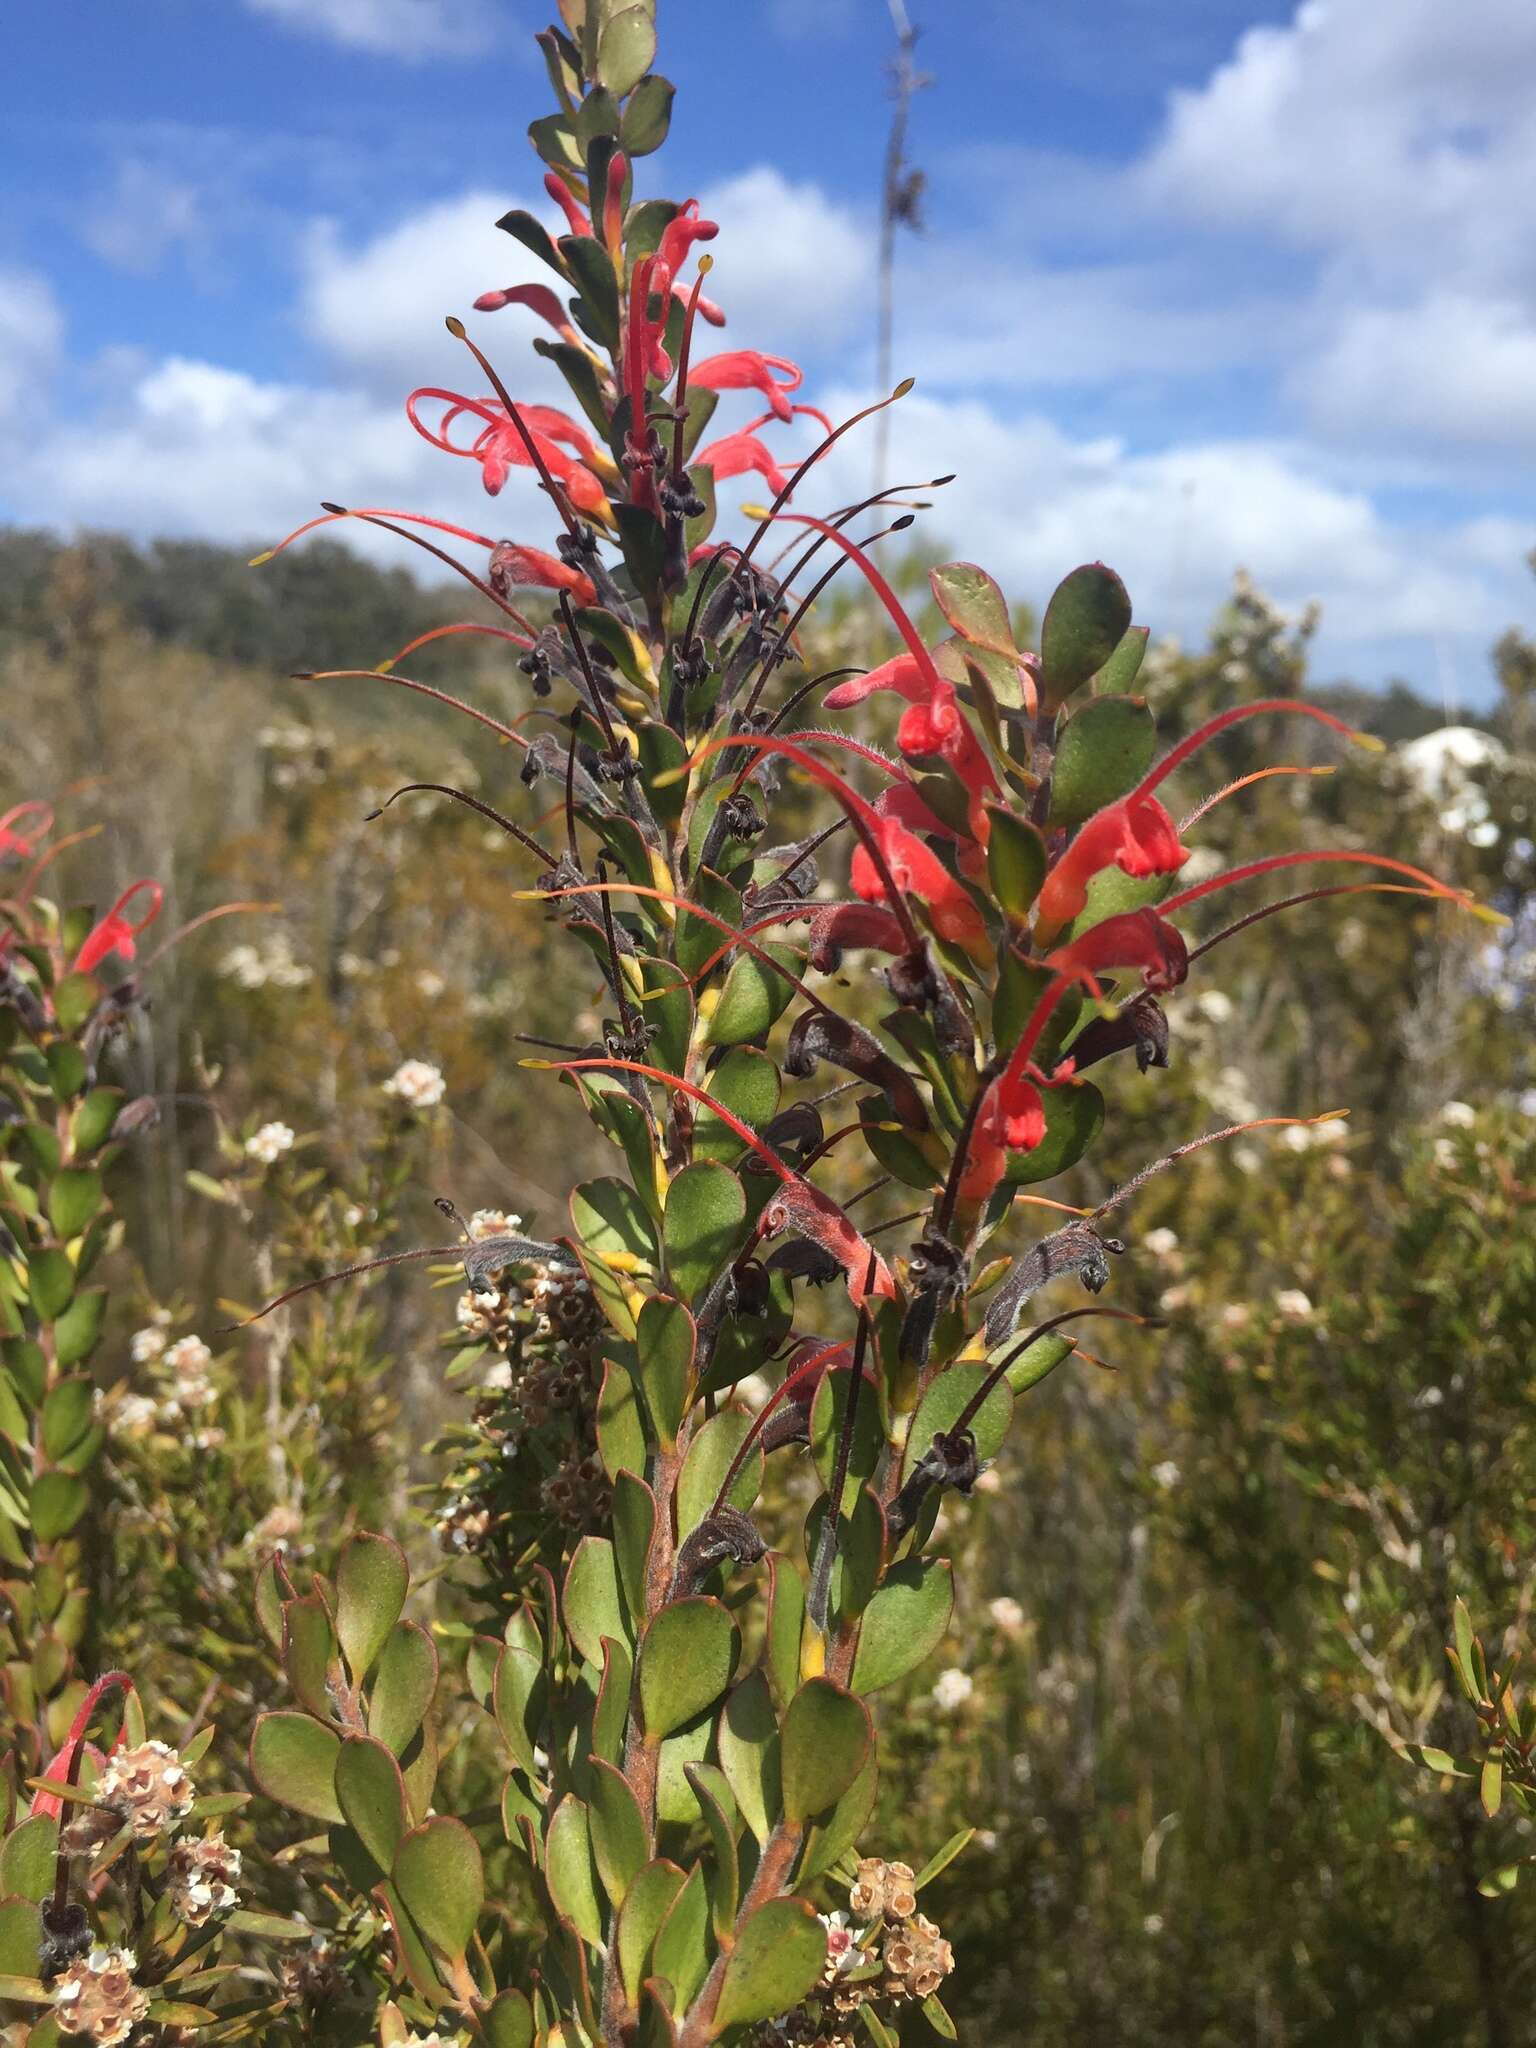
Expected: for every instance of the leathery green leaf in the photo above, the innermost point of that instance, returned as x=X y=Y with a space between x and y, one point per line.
x=617 y=1827
x=777 y=1961
x=702 y=1227
x=293 y=1760
x=439 y=1875
x=591 y=1601
x=371 y=1585
x=904 y=1623
x=687 y=1659
x=825 y=1740
x=748 y=1741
x=651 y=1894
x=1085 y=621
x=664 y=1343
x=371 y=1795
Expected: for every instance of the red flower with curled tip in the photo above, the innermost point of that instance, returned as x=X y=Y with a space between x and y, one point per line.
x=1133 y=938
x=575 y=213
x=1135 y=833
x=685 y=228
x=117 y=932
x=514 y=566
x=1011 y=1119
x=744 y=369
x=538 y=298
x=735 y=454
x=917 y=870
x=21 y=841
x=499 y=448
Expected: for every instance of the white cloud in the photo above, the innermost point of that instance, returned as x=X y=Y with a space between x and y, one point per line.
x=31 y=330
x=1394 y=133
x=390 y=28
x=1031 y=502
x=193 y=448
x=378 y=306
x=1459 y=367
x=792 y=267
x=135 y=225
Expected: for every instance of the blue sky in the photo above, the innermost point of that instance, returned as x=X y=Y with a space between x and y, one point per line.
x=1218 y=283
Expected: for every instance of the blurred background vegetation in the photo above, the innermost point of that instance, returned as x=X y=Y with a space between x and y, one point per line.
x=1205 y=1592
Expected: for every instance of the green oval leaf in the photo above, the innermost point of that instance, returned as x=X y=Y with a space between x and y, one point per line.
x=702 y=1227
x=404 y=1681
x=371 y=1795
x=777 y=1961
x=57 y=1502
x=904 y=1623
x=74 y=1196
x=664 y=1342
x=687 y=1658
x=974 y=606
x=826 y=1738
x=1085 y=621
x=371 y=1585
x=591 y=1602
x=439 y=1875
x=1101 y=755
x=293 y=1760
x=619 y=1844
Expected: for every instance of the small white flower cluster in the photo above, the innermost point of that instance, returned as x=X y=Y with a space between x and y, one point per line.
x=417 y=1084
x=97 y=1997
x=494 y=1223
x=1458 y=1116
x=188 y=1360
x=302 y=746
x=1162 y=1243
x=952 y=1688
x=269 y=1144
x=1295 y=1306
x=1006 y=1613
x=430 y=984
x=1166 y=1475
x=271 y=964
x=201 y=1879
x=276 y=1529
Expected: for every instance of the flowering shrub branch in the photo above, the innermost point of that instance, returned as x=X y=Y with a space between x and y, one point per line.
x=688 y=1756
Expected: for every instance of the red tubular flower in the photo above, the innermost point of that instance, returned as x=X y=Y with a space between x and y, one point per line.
x=65 y=1767
x=1136 y=835
x=1011 y=1119
x=538 y=298
x=22 y=840
x=116 y=932
x=498 y=447
x=514 y=566
x=935 y=725
x=1134 y=938
x=734 y=454
x=744 y=369
x=575 y=213
x=917 y=870
x=613 y=209
x=681 y=232
x=901 y=673
x=644 y=358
